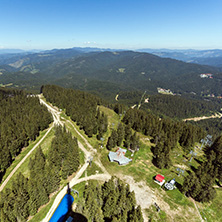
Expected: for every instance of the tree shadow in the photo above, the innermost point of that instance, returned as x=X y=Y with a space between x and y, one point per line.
x=194 y=169
x=106 y=219
x=77 y=217
x=218 y=184
x=179 y=186
x=198 y=161
x=1 y=175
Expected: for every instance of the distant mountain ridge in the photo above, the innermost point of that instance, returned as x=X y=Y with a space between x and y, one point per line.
x=108 y=72
x=212 y=57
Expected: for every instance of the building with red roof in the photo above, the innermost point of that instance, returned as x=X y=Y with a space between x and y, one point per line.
x=159 y=179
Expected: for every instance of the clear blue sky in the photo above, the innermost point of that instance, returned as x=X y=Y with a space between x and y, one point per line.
x=128 y=24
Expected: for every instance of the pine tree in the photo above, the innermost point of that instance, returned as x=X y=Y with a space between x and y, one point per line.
x=4 y=217
x=120 y=134
x=134 y=142
x=110 y=143
x=114 y=219
x=139 y=214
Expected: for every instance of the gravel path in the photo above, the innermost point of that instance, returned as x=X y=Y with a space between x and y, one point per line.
x=198 y=212
x=216 y=115
x=144 y=195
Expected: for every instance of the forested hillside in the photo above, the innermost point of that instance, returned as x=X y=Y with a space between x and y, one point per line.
x=21 y=119
x=166 y=134
x=80 y=106
x=112 y=201
x=26 y=195
x=120 y=70
x=212 y=126
x=199 y=184
x=176 y=107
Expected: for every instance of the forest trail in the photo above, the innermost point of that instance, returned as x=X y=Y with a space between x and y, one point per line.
x=56 y=121
x=143 y=193
x=216 y=115
x=23 y=160
x=201 y=219
x=88 y=154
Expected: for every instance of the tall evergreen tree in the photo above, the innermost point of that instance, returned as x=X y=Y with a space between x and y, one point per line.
x=120 y=134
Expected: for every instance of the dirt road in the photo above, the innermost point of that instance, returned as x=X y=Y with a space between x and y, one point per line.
x=198 y=212
x=143 y=193
x=216 y=115
x=56 y=121
x=23 y=160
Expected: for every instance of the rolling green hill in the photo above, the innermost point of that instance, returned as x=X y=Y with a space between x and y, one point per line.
x=121 y=70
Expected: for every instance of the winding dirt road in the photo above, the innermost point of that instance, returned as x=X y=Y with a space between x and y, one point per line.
x=88 y=154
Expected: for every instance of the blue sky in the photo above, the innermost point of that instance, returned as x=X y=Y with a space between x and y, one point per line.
x=128 y=24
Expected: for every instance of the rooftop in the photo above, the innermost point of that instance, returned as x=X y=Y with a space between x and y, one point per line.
x=119 y=156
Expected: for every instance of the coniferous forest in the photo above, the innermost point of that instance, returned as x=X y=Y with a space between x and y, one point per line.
x=21 y=119
x=166 y=134
x=80 y=106
x=199 y=184
x=112 y=201
x=173 y=106
x=26 y=195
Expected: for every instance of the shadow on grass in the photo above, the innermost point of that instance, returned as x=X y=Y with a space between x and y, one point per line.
x=194 y=169
x=218 y=183
x=198 y=161
x=179 y=187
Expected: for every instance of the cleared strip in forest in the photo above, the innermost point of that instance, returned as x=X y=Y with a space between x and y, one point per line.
x=216 y=115
x=23 y=160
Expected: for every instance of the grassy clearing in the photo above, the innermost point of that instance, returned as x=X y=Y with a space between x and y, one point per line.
x=91 y=170
x=24 y=153
x=212 y=211
x=157 y=216
x=80 y=188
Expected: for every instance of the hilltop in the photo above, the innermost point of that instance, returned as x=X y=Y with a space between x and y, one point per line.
x=107 y=72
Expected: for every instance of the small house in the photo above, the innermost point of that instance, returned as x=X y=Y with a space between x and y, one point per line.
x=159 y=179
x=119 y=156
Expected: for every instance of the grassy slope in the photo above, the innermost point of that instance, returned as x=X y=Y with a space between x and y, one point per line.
x=141 y=168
